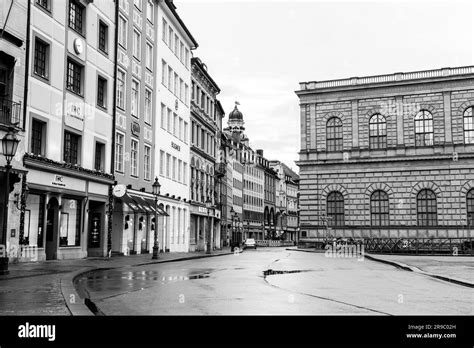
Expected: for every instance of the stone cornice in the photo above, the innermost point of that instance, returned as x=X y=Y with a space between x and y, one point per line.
x=46 y=164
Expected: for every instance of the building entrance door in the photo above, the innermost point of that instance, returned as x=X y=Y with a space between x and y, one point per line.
x=52 y=229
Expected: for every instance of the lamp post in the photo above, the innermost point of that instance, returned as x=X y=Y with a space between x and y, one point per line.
x=9 y=146
x=208 y=206
x=156 y=192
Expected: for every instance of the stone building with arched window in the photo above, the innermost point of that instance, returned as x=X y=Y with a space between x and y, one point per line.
x=388 y=158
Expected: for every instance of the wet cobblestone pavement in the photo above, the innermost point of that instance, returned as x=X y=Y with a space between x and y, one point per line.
x=34 y=288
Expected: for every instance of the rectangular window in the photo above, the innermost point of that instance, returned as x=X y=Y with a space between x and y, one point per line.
x=74 y=77
x=164 y=70
x=41 y=62
x=37 y=137
x=175 y=125
x=186 y=94
x=170 y=37
x=147 y=163
x=185 y=172
x=168 y=165
x=76 y=16
x=119 y=143
x=186 y=58
x=181 y=52
x=174 y=169
x=176 y=45
x=149 y=56
x=163 y=116
x=180 y=168
x=181 y=89
x=102 y=92
x=180 y=130
x=149 y=11
x=122 y=32
x=99 y=156
x=103 y=34
x=185 y=132
x=175 y=84
x=134 y=158
x=44 y=4
x=71 y=148
x=121 y=89
x=148 y=106
x=170 y=78
x=170 y=120
x=165 y=31
x=135 y=97
x=136 y=44
x=193 y=130
x=70 y=223
x=162 y=162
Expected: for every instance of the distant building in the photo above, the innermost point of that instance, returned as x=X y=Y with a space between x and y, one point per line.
x=270 y=185
x=205 y=130
x=388 y=157
x=286 y=201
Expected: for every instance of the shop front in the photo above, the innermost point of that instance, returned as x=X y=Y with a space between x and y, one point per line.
x=66 y=211
x=201 y=222
x=134 y=221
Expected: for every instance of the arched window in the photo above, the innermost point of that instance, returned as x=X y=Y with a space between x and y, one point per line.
x=379 y=209
x=470 y=207
x=426 y=208
x=334 y=134
x=469 y=125
x=335 y=209
x=423 y=128
x=377 y=132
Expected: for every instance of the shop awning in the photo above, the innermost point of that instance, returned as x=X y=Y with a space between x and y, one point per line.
x=141 y=204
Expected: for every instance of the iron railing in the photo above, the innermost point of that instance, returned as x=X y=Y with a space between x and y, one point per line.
x=420 y=246
x=10 y=113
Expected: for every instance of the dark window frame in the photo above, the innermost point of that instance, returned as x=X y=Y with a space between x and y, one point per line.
x=74 y=77
x=470 y=207
x=377 y=132
x=45 y=5
x=76 y=17
x=37 y=139
x=99 y=154
x=379 y=208
x=468 y=114
x=426 y=208
x=102 y=91
x=103 y=35
x=335 y=209
x=424 y=130
x=72 y=148
x=334 y=134
x=41 y=60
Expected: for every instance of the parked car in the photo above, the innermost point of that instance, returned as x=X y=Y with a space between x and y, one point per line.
x=250 y=243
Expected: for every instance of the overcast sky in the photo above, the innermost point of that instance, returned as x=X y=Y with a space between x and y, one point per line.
x=258 y=51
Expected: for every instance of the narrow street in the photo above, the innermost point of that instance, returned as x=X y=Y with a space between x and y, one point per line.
x=300 y=283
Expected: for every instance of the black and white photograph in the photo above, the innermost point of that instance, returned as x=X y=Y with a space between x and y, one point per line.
x=257 y=167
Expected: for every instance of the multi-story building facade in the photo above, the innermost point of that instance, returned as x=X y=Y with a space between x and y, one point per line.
x=269 y=199
x=134 y=145
x=253 y=194
x=286 y=201
x=204 y=150
x=173 y=62
x=388 y=156
x=69 y=120
x=220 y=177
x=13 y=62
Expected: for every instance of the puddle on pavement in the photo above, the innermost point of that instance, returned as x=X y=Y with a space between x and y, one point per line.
x=113 y=280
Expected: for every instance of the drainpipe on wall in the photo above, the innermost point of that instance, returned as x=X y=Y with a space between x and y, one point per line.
x=27 y=62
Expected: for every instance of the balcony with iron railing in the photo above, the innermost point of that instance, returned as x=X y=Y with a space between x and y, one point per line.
x=10 y=114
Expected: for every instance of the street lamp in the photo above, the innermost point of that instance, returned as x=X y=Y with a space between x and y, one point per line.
x=156 y=192
x=208 y=206
x=9 y=146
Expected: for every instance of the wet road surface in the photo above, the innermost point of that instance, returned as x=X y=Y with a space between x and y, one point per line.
x=274 y=281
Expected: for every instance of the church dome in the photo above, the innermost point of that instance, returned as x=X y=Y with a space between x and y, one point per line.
x=236 y=115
